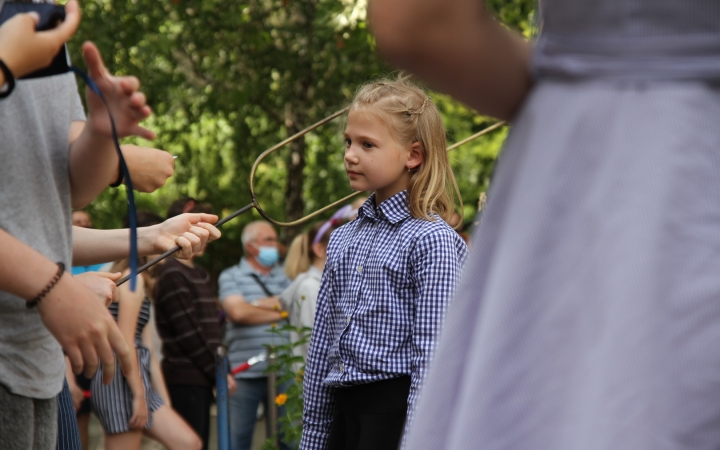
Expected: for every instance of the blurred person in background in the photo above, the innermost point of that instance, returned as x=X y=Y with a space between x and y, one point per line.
x=133 y=406
x=186 y=315
x=249 y=295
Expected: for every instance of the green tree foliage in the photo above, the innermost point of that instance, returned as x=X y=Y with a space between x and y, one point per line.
x=227 y=80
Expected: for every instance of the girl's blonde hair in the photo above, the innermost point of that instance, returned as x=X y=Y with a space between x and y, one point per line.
x=415 y=118
x=300 y=254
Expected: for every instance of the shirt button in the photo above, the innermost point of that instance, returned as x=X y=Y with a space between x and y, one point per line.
x=348 y=319
x=342 y=367
x=359 y=269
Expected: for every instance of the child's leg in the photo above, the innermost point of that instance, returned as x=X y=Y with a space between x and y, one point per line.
x=172 y=431
x=123 y=441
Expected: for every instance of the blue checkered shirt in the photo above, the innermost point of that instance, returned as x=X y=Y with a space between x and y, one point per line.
x=387 y=282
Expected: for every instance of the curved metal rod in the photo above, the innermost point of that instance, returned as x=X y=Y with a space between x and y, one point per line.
x=482 y=132
x=353 y=195
x=285 y=142
x=304 y=219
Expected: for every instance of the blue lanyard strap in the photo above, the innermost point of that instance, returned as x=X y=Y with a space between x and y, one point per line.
x=132 y=216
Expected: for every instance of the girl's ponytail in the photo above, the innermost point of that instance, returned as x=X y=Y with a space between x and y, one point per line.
x=300 y=255
x=297 y=260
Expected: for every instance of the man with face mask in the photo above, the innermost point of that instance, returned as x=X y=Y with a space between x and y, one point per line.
x=249 y=295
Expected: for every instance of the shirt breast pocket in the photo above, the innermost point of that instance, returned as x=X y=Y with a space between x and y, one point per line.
x=397 y=278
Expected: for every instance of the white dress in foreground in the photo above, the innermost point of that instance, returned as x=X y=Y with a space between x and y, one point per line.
x=588 y=317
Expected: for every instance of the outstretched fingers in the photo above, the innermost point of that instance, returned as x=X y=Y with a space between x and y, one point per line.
x=93 y=59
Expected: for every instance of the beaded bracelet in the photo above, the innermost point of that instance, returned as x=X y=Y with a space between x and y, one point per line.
x=33 y=302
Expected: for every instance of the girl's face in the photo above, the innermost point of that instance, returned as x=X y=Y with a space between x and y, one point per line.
x=374 y=159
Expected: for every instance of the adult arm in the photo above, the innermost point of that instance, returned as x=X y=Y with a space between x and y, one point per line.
x=174 y=299
x=92 y=157
x=436 y=268
x=241 y=312
x=456 y=47
x=72 y=313
x=129 y=304
x=148 y=167
x=190 y=231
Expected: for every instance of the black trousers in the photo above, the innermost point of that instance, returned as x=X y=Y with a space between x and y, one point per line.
x=193 y=405
x=370 y=416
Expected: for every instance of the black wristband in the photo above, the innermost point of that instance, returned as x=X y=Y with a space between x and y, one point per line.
x=120 y=177
x=9 y=80
x=34 y=301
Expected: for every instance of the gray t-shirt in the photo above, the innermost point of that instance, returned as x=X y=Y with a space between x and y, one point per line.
x=35 y=208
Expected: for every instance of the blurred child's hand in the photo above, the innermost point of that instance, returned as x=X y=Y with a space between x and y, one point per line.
x=25 y=50
x=140 y=413
x=124 y=100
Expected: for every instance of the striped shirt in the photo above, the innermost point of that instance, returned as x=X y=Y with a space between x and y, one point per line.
x=245 y=341
x=387 y=282
x=187 y=320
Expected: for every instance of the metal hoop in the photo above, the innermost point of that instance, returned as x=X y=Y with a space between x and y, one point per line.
x=256 y=205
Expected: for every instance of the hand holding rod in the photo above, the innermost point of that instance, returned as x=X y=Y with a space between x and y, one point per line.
x=177 y=247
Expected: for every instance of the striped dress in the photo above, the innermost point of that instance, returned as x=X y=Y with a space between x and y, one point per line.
x=113 y=403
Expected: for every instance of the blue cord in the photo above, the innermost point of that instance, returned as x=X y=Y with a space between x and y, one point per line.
x=132 y=215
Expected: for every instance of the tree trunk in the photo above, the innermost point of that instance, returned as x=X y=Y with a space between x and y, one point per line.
x=294 y=202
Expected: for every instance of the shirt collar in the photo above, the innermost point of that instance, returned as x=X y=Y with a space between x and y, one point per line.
x=395 y=209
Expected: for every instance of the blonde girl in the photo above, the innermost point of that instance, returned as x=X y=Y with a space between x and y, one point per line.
x=389 y=274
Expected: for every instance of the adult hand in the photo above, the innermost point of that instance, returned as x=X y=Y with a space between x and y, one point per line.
x=148 y=167
x=271 y=303
x=85 y=329
x=25 y=50
x=190 y=231
x=126 y=104
x=102 y=284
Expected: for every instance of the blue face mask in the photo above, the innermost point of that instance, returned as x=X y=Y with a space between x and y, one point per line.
x=268 y=256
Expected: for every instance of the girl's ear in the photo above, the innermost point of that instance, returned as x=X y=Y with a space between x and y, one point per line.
x=416 y=156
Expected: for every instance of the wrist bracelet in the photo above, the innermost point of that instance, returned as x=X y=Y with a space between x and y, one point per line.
x=119 y=180
x=33 y=302
x=9 y=79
